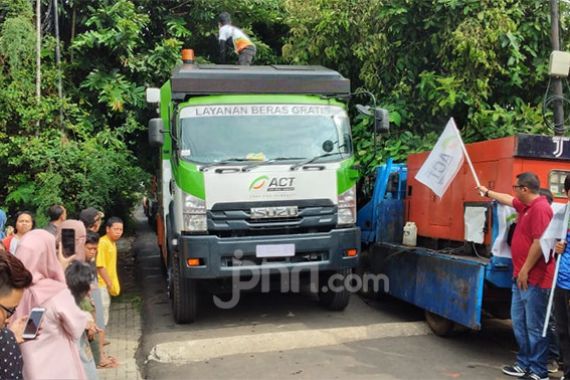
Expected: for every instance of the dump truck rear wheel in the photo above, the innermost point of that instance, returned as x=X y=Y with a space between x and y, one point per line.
x=439 y=325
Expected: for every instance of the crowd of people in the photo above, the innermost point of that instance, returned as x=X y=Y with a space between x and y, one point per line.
x=71 y=290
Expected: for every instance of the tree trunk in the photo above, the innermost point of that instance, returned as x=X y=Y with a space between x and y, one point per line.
x=58 y=62
x=38 y=55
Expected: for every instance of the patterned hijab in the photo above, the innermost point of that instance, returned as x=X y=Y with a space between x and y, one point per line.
x=37 y=252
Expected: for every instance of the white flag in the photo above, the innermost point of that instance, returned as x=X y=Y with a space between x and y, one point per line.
x=556 y=230
x=444 y=161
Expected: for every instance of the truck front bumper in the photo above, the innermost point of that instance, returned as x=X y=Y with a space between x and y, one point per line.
x=227 y=257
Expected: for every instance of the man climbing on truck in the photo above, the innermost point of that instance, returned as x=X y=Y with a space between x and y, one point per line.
x=244 y=48
x=532 y=275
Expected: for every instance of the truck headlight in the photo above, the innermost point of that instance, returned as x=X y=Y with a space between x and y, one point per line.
x=194 y=214
x=347 y=207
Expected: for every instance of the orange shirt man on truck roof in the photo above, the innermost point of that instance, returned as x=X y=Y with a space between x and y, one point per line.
x=243 y=46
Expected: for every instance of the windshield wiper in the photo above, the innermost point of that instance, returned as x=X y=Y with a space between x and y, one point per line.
x=311 y=160
x=227 y=161
x=277 y=159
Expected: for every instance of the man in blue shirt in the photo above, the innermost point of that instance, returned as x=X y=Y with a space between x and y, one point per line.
x=562 y=295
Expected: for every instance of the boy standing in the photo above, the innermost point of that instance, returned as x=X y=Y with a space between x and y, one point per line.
x=107 y=263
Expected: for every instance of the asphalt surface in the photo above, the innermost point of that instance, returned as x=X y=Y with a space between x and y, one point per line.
x=278 y=336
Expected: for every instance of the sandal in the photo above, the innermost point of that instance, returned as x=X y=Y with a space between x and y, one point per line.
x=112 y=359
x=107 y=363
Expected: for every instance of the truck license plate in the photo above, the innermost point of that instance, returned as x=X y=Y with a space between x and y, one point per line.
x=275 y=250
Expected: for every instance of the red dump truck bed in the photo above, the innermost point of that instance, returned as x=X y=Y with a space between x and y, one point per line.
x=497 y=163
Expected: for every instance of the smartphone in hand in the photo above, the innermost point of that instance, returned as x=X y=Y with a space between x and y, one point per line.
x=34 y=322
x=68 y=241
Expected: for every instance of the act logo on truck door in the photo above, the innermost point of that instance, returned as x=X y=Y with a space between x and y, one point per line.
x=272 y=184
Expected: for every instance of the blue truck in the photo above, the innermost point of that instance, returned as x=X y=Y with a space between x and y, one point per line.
x=454 y=280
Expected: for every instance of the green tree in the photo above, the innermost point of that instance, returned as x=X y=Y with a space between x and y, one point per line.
x=85 y=163
x=482 y=62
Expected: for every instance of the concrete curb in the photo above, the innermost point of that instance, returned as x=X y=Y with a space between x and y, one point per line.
x=203 y=349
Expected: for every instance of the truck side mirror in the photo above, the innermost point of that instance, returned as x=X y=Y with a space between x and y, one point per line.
x=381 y=120
x=381 y=117
x=155 y=131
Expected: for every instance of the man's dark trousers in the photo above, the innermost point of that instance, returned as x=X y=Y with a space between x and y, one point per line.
x=528 y=311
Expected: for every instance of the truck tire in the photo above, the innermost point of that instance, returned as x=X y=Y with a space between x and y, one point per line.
x=439 y=325
x=184 y=293
x=167 y=264
x=334 y=300
x=163 y=267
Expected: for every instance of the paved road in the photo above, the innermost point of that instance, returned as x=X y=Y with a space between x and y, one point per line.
x=289 y=336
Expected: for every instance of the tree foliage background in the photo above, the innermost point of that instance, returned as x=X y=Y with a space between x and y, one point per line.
x=484 y=62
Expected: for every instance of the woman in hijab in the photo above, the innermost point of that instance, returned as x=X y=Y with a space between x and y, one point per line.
x=54 y=354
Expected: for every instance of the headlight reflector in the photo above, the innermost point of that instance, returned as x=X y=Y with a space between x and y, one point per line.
x=194 y=214
x=347 y=207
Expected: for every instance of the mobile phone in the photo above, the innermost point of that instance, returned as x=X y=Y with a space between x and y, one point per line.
x=68 y=241
x=33 y=324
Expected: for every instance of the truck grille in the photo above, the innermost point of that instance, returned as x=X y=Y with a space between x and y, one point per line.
x=234 y=219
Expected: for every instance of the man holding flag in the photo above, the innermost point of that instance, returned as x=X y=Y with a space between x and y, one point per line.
x=532 y=275
x=562 y=295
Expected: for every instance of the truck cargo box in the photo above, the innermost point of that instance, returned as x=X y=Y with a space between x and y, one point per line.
x=497 y=163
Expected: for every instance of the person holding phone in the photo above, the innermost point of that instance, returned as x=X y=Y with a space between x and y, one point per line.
x=72 y=234
x=53 y=354
x=14 y=278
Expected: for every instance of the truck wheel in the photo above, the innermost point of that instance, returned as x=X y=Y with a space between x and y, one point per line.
x=166 y=265
x=184 y=295
x=163 y=267
x=334 y=299
x=439 y=325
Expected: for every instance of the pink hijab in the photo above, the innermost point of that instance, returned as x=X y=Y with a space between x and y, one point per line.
x=80 y=236
x=37 y=252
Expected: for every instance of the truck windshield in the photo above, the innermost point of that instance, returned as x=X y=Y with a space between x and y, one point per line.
x=210 y=134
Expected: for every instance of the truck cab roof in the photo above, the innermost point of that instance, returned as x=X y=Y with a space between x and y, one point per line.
x=198 y=79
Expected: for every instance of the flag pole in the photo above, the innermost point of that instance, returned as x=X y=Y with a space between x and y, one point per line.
x=556 y=268
x=466 y=154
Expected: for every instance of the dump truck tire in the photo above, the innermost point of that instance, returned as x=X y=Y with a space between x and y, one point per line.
x=439 y=325
x=334 y=300
x=184 y=295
